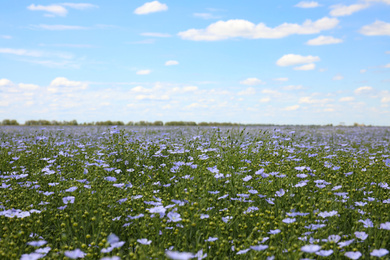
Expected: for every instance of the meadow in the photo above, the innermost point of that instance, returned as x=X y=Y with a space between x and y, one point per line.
x=194 y=192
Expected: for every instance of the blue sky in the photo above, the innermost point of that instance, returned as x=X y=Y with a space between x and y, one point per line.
x=281 y=62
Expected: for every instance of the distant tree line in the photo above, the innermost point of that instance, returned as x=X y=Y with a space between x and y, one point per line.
x=42 y=122
x=140 y=123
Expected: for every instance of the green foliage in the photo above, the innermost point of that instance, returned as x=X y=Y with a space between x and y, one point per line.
x=9 y=122
x=234 y=185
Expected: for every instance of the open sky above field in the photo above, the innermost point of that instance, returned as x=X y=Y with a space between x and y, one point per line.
x=250 y=61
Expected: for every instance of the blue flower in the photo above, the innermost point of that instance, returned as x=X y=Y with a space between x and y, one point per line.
x=77 y=253
x=174 y=216
x=179 y=255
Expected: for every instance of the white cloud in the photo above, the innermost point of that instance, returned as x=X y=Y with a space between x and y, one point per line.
x=310 y=100
x=305 y=4
x=338 y=77
x=387 y=52
x=247 y=92
x=152 y=97
x=291 y=108
x=385 y=99
x=59 y=9
x=252 y=81
x=7 y=37
x=265 y=100
x=223 y=30
x=190 y=88
x=52 y=9
x=376 y=28
x=344 y=10
x=4 y=103
x=152 y=34
x=59 y=27
x=171 y=62
x=295 y=59
x=21 y=52
x=310 y=66
x=80 y=6
x=346 y=99
x=143 y=72
x=363 y=90
x=140 y=89
x=293 y=87
x=5 y=82
x=387 y=65
x=61 y=84
x=281 y=79
x=363 y=71
x=196 y=105
x=151 y=7
x=323 y=40
x=206 y=16
x=329 y=110
x=28 y=86
x=271 y=92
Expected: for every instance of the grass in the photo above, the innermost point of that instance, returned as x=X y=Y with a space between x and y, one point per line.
x=230 y=193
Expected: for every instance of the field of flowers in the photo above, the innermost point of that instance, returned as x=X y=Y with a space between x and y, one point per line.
x=194 y=193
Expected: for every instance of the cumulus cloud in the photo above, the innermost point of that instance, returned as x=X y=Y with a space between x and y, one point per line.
x=143 y=72
x=346 y=99
x=171 y=62
x=295 y=59
x=234 y=28
x=5 y=82
x=310 y=66
x=376 y=28
x=338 y=77
x=151 y=7
x=28 y=86
x=362 y=90
x=344 y=10
x=291 y=108
x=153 y=34
x=252 y=81
x=323 y=40
x=61 y=84
x=305 y=4
x=247 y=92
